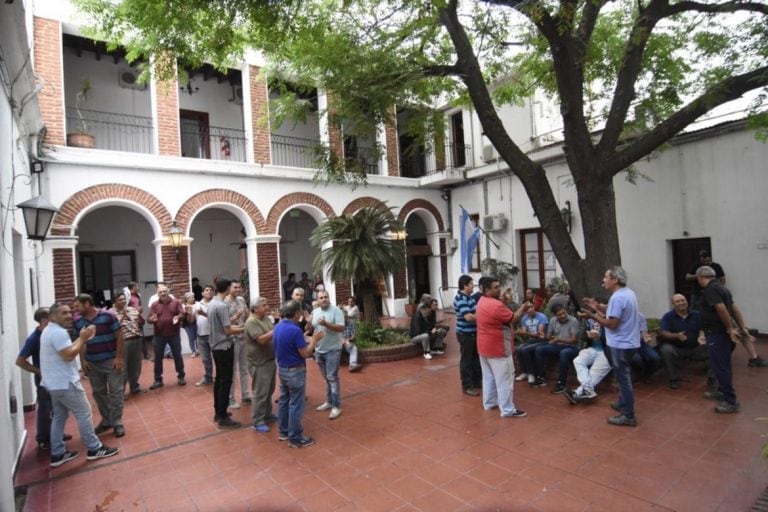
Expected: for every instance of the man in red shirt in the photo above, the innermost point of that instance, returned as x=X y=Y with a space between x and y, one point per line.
x=166 y=314
x=495 y=345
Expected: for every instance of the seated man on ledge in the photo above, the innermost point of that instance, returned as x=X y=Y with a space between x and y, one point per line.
x=425 y=332
x=562 y=336
x=680 y=335
x=591 y=364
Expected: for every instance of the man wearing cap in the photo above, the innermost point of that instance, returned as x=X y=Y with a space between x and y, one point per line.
x=718 y=314
x=705 y=258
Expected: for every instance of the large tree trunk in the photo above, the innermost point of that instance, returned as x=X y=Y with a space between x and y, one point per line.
x=367 y=290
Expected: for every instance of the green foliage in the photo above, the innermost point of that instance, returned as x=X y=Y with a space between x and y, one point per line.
x=371 y=334
x=654 y=325
x=501 y=270
x=559 y=284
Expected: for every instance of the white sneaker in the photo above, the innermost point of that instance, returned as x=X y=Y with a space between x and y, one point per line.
x=323 y=407
x=427 y=356
x=335 y=413
x=234 y=405
x=531 y=378
x=521 y=377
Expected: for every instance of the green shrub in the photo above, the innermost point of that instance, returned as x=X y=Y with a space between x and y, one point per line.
x=371 y=334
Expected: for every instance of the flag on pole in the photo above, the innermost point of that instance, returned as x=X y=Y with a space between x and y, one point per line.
x=469 y=237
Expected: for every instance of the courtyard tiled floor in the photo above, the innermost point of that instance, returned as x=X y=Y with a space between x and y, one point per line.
x=410 y=440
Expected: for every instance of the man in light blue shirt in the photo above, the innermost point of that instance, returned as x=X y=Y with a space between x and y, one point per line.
x=329 y=320
x=62 y=380
x=622 y=326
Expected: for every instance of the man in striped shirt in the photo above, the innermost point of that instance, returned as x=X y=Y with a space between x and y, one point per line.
x=466 y=334
x=102 y=360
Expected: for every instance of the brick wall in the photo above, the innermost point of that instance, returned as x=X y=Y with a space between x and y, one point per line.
x=176 y=271
x=169 y=138
x=269 y=273
x=393 y=151
x=48 y=65
x=218 y=195
x=335 y=136
x=343 y=291
x=288 y=201
x=64 y=275
x=260 y=116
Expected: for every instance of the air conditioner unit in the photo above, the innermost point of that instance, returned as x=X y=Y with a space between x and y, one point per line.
x=489 y=153
x=494 y=222
x=129 y=79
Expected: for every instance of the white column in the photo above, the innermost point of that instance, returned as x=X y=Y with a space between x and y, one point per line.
x=158 y=243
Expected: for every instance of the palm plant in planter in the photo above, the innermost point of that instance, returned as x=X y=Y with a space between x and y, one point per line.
x=81 y=138
x=360 y=248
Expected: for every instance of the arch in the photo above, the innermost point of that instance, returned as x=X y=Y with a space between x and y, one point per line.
x=234 y=202
x=294 y=199
x=362 y=202
x=420 y=205
x=111 y=194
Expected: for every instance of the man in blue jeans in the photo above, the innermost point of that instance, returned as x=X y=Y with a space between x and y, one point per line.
x=62 y=380
x=562 y=342
x=622 y=332
x=329 y=320
x=292 y=348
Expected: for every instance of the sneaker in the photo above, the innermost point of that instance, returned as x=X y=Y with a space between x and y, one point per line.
x=674 y=384
x=471 y=392
x=572 y=396
x=282 y=437
x=203 y=382
x=713 y=395
x=616 y=406
x=427 y=356
x=66 y=437
x=119 y=431
x=353 y=368
x=521 y=377
x=233 y=405
x=101 y=428
x=727 y=408
x=102 y=453
x=58 y=460
x=261 y=427
x=559 y=389
x=622 y=421
x=519 y=413
x=539 y=382
x=156 y=384
x=531 y=378
x=335 y=413
x=182 y=381
x=228 y=423
x=43 y=446
x=246 y=401
x=757 y=362
x=588 y=394
x=437 y=352
x=216 y=418
x=323 y=407
x=302 y=443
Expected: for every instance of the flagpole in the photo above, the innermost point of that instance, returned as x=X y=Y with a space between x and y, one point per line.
x=483 y=231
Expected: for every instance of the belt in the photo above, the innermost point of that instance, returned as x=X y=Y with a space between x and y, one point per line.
x=293 y=367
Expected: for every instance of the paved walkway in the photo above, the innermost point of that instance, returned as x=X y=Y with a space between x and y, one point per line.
x=409 y=440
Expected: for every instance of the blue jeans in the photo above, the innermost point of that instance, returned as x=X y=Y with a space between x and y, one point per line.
x=293 y=390
x=564 y=353
x=329 y=368
x=43 y=415
x=205 y=352
x=160 y=343
x=647 y=358
x=191 y=331
x=621 y=359
x=719 y=346
x=525 y=354
x=71 y=400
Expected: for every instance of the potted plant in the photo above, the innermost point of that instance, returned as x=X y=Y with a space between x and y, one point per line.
x=81 y=138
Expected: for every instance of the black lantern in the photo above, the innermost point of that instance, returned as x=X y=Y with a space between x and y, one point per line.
x=565 y=213
x=176 y=237
x=38 y=213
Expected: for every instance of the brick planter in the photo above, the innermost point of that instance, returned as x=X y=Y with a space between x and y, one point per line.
x=388 y=353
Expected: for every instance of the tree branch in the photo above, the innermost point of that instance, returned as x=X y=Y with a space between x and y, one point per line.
x=587 y=25
x=727 y=90
x=714 y=8
x=441 y=70
x=624 y=92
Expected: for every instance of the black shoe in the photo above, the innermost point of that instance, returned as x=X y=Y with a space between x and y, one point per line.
x=559 y=389
x=66 y=437
x=571 y=396
x=228 y=423
x=138 y=391
x=616 y=406
x=216 y=418
x=539 y=382
x=302 y=443
x=65 y=457
x=713 y=395
x=119 y=431
x=519 y=413
x=156 y=384
x=471 y=392
x=246 y=401
x=727 y=408
x=101 y=428
x=674 y=384
x=102 y=453
x=182 y=381
x=622 y=421
x=43 y=446
x=757 y=362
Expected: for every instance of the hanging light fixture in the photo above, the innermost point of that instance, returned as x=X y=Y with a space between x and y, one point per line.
x=176 y=237
x=38 y=213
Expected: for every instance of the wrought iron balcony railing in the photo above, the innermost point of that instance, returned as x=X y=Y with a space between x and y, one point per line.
x=116 y=132
x=293 y=151
x=213 y=142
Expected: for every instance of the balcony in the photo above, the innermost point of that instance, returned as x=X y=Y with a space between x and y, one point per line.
x=213 y=142
x=293 y=151
x=115 y=132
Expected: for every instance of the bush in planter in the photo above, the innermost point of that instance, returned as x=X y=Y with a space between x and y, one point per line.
x=372 y=334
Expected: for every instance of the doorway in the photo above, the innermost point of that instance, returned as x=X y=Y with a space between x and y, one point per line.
x=685 y=254
x=195 y=134
x=105 y=273
x=458 y=155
